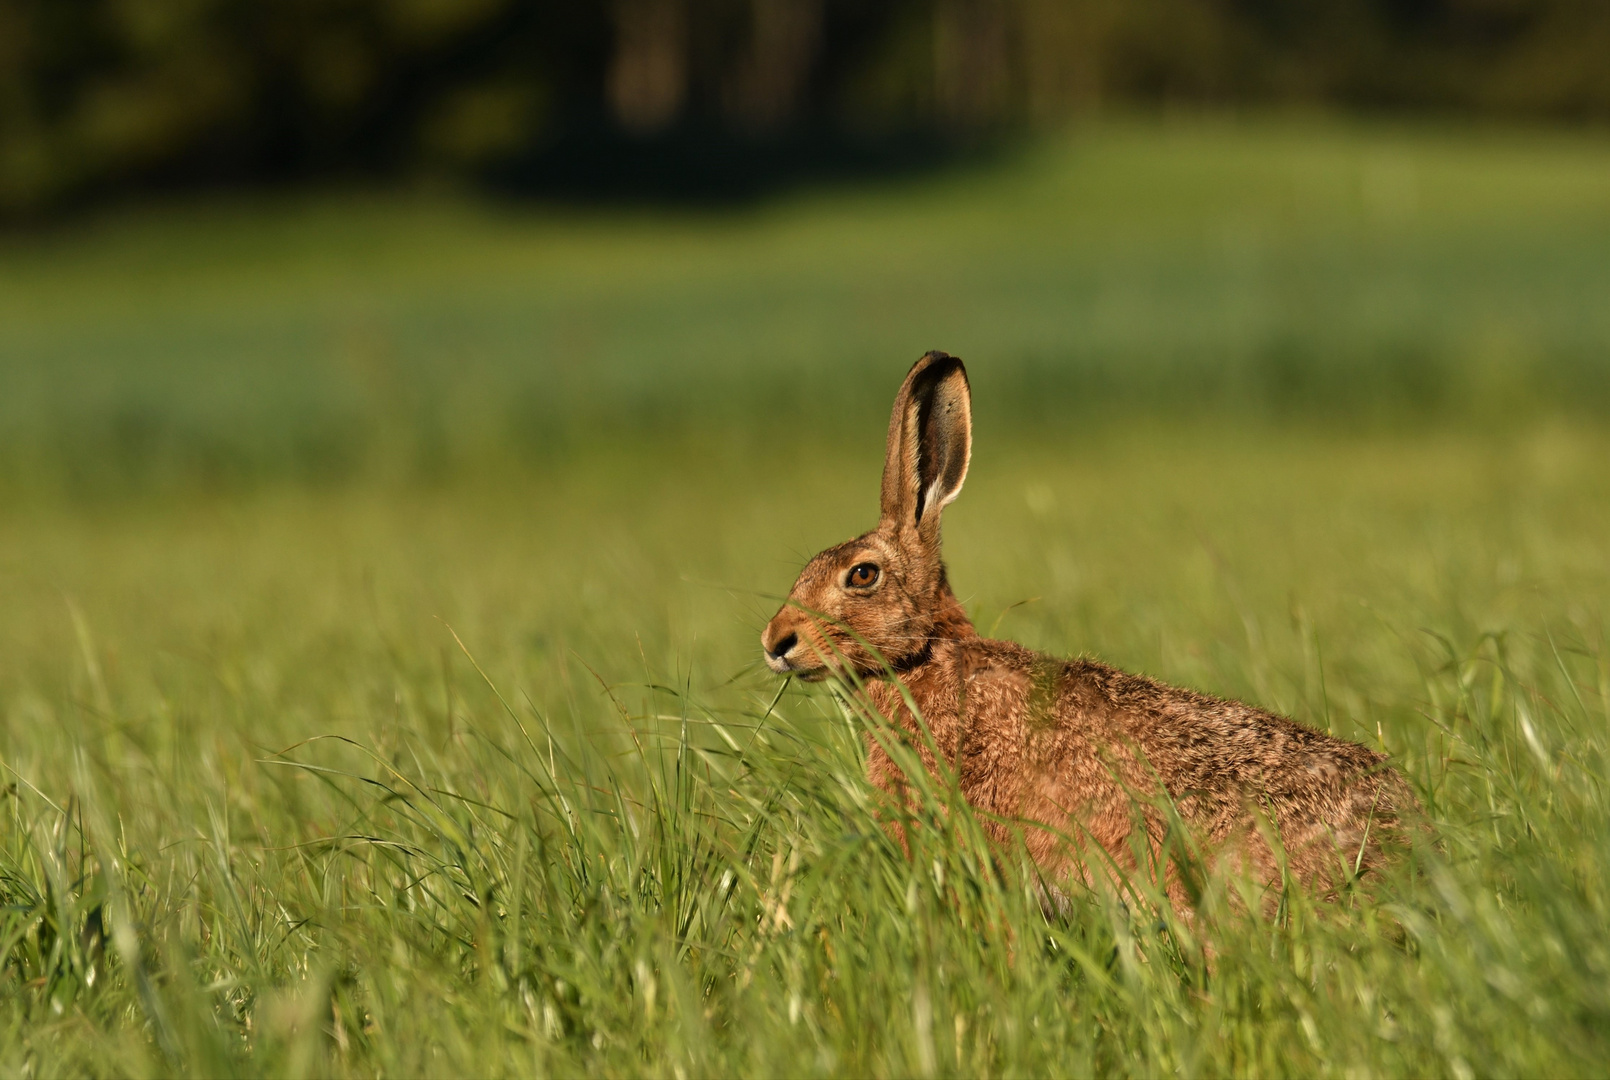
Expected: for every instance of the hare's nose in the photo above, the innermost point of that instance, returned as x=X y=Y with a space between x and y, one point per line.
x=781 y=648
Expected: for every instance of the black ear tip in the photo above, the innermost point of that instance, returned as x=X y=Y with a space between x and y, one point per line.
x=936 y=363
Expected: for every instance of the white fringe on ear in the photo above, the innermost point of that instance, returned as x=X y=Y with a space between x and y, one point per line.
x=932 y=503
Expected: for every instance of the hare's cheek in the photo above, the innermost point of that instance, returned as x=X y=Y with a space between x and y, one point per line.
x=903 y=618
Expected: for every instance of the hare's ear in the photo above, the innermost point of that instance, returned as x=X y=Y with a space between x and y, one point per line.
x=930 y=441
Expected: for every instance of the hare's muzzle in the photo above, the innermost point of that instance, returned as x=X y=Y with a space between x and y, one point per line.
x=780 y=641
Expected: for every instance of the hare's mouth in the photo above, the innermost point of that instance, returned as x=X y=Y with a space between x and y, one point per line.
x=782 y=665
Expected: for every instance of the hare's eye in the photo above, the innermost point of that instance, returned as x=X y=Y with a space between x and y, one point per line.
x=863 y=575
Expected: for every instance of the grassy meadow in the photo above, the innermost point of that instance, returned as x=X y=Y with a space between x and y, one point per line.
x=381 y=581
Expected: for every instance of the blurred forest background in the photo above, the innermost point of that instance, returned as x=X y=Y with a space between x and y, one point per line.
x=704 y=98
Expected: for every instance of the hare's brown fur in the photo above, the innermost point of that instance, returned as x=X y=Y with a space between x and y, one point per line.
x=1071 y=753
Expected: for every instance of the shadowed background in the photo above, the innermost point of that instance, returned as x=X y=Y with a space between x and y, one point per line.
x=704 y=99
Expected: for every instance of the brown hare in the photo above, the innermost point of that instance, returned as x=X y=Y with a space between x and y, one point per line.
x=1071 y=753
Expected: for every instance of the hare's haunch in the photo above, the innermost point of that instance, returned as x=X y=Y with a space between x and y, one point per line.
x=1071 y=752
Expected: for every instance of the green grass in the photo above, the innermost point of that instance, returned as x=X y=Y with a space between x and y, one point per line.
x=263 y=814
x=1375 y=275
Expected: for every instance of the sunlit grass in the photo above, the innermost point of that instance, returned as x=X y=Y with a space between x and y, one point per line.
x=1355 y=274
x=244 y=734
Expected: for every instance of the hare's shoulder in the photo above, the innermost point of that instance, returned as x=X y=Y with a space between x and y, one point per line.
x=1066 y=692
x=1008 y=685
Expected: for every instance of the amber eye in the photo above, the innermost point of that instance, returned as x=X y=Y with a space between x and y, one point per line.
x=863 y=575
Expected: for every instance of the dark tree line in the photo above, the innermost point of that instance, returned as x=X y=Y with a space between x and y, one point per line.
x=98 y=96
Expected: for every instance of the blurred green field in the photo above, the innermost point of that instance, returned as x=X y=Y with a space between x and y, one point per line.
x=1308 y=415
x=1280 y=271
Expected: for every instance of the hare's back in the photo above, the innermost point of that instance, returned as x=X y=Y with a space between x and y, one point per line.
x=1214 y=755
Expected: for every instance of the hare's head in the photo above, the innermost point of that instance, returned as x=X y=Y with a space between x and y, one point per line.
x=884 y=593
